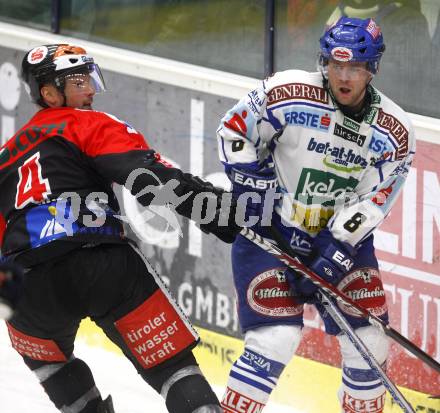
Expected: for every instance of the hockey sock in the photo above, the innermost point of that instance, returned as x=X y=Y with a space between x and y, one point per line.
x=251 y=380
x=69 y=385
x=183 y=387
x=187 y=391
x=361 y=391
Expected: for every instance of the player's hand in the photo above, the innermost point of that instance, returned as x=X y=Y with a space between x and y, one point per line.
x=332 y=260
x=11 y=284
x=223 y=223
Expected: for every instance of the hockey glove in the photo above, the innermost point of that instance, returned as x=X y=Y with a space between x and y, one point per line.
x=11 y=284
x=255 y=185
x=332 y=259
x=222 y=224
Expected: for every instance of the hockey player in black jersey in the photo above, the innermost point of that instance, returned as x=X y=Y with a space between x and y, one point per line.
x=58 y=220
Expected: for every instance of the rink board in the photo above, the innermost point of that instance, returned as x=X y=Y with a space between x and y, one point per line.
x=306 y=385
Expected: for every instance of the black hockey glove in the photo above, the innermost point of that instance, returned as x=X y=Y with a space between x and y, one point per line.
x=215 y=211
x=11 y=284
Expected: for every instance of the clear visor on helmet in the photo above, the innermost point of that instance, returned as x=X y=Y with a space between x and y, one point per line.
x=84 y=80
x=353 y=71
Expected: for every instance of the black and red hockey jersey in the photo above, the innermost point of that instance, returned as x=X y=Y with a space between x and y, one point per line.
x=69 y=154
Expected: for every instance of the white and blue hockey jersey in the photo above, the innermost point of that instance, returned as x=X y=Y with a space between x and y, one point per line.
x=332 y=171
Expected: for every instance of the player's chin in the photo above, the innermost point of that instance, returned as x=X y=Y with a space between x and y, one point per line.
x=345 y=98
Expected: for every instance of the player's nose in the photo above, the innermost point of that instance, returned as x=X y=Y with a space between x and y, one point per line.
x=344 y=74
x=89 y=89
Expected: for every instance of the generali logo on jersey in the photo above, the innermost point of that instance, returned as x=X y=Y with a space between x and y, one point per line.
x=270 y=294
x=397 y=131
x=297 y=91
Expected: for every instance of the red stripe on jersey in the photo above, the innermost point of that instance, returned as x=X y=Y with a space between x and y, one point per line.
x=2 y=228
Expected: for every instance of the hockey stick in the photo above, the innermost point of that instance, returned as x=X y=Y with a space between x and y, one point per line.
x=363 y=350
x=295 y=264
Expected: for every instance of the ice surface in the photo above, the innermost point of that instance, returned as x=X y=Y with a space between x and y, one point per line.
x=20 y=391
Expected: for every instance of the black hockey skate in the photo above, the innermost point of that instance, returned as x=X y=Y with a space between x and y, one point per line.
x=106 y=406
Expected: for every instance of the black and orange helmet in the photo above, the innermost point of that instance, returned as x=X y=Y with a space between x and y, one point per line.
x=52 y=64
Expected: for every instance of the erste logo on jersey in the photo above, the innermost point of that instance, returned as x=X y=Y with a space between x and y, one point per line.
x=383 y=194
x=308 y=117
x=379 y=144
x=37 y=55
x=270 y=294
x=342 y=54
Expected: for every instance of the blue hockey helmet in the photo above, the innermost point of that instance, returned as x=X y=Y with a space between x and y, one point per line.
x=355 y=40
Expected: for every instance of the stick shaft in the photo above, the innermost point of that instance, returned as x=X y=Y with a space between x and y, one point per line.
x=363 y=350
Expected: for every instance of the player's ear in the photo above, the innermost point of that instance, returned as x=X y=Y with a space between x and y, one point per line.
x=51 y=95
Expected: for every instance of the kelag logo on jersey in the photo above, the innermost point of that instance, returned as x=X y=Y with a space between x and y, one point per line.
x=319 y=187
x=315 y=198
x=308 y=117
x=338 y=158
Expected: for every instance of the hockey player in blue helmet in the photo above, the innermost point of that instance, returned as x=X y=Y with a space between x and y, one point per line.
x=338 y=151
x=351 y=50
